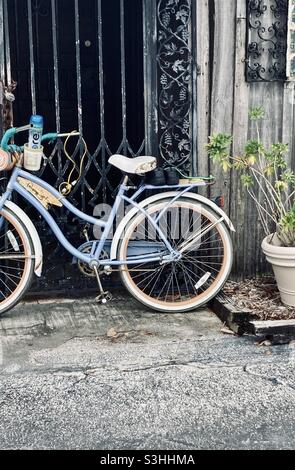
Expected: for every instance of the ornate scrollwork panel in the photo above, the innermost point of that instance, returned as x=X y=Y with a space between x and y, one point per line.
x=267 y=40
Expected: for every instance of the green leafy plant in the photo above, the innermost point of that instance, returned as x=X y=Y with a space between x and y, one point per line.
x=265 y=175
x=286 y=228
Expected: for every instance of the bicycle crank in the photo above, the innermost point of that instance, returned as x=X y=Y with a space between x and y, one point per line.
x=84 y=267
x=104 y=297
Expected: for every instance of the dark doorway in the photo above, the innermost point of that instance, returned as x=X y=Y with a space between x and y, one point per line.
x=87 y=60
x=122 y=72
x=79 y=63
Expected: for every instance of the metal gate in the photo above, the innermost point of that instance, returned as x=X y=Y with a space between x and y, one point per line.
x=120 y=71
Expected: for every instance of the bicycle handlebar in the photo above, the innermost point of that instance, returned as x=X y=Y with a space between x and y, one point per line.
x=6 y=138
x=14 y=130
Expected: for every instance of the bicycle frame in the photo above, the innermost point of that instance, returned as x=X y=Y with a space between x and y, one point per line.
x=93 y=258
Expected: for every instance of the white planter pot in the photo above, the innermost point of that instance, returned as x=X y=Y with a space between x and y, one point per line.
x=282 y=260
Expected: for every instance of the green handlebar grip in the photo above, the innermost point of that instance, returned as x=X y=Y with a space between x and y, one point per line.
x=50 y=136
x=7 y=136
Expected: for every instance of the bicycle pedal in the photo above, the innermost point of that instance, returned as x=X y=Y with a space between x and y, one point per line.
x=104 y=298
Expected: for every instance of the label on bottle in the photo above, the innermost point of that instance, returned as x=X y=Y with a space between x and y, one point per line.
x=34 y=139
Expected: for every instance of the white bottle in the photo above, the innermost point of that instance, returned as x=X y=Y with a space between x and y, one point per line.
x=33 y=150
x=35 y=133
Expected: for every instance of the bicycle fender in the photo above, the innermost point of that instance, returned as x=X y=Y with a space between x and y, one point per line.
x=33 y=234
x=158 y=197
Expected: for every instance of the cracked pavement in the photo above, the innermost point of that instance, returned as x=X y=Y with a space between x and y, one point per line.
x=76 y=375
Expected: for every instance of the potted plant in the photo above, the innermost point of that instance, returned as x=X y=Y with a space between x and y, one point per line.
x=271 y=185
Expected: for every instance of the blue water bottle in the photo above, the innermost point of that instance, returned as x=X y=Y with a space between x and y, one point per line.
x=35 y=133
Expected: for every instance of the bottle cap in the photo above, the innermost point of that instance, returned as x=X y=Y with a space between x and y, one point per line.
x=36 y=121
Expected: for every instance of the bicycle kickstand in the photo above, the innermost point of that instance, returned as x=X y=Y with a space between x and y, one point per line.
x=103 y=296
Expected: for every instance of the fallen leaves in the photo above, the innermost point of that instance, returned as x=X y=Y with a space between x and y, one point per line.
x=112 y=333
x=227 y=331
x=131 y=335
x=261 y=296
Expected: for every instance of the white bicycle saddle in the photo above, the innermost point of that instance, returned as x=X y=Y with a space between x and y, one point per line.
x=136 y=165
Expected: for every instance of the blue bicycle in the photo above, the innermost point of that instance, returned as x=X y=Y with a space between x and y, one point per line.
x=173 y=249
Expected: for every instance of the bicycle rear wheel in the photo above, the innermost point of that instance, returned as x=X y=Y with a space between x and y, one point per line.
x=192 y=281
x=17 y=260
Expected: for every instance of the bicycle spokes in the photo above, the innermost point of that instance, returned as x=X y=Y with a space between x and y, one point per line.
x=200 y=237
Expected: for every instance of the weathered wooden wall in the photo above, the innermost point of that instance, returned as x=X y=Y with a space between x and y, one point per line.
x=224 y=101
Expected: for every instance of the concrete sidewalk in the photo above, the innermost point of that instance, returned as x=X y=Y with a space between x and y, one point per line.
x=76 y=375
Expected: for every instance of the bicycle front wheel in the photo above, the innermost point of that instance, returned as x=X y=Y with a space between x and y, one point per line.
x=190 y=282
x=16 y=260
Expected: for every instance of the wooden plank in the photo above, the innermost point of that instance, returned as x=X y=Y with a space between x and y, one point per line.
x=240 y=133
x=288 y=117
x=261 y=324
x=251 y=239
x=203 y=86
x=242 y=321
x=223 y=85
x=283 y=330
x=248 y=249
x=237 y=319
x=270 y=97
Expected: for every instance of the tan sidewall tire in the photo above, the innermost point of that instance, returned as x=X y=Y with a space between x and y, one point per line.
x=170 y=308
x=28 y=272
